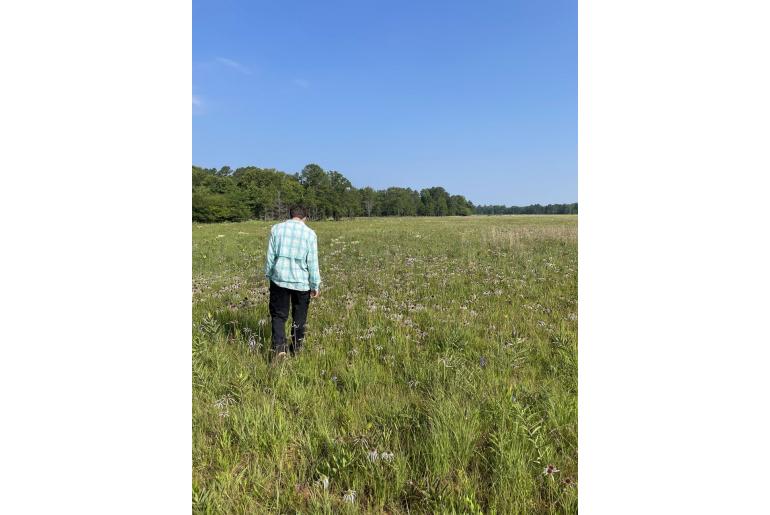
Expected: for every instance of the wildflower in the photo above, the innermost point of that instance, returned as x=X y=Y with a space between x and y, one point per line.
x=220 y=235
x=324 y=482
x=387 y=456
x=223 y=405
x=373 y=456
x=550 y=470
x=568 y=482
x=350 y=496
x=483 y=362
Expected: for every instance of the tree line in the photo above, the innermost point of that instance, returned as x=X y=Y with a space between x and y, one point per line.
x=222 y=195
x=534 y=209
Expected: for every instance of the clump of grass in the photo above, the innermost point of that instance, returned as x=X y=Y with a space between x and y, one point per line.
x=440 y=372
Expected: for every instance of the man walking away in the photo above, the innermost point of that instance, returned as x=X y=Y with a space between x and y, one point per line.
x=292 y=269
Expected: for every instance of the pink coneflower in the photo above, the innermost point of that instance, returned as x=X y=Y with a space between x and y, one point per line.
x=550 y=470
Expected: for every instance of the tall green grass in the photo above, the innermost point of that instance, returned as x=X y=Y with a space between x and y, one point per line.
x=439 y=375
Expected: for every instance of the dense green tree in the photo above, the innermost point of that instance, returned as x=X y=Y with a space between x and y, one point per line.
x=458 y=205
x=434 y=202
x=208 y=206
x=338 y=193
x=313 y=176
x=368 y=200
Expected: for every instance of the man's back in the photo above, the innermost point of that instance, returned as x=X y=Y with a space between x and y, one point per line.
x=292 y=268
x=292 y=256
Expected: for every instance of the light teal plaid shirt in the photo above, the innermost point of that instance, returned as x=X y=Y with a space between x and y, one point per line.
x=292 y=256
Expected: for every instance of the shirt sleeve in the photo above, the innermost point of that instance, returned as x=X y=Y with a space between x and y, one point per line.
x=312 y=265
x=270 y=259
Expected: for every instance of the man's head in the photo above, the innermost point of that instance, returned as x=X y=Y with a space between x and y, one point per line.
x=298 y=212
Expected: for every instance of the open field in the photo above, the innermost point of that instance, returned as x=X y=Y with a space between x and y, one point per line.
x=439 y=373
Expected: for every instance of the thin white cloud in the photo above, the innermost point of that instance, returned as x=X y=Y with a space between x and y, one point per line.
x=302 y=83
x=198 y=105
x=235 y=65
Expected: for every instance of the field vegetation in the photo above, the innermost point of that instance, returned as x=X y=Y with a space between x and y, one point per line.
x=439 y=373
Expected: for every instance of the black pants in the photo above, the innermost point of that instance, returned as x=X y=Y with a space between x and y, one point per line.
x=279 y=313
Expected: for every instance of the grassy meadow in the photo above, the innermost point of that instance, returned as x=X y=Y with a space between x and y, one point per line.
x=439 y=372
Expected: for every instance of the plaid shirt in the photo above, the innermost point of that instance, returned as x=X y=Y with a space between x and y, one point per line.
x=292 y=256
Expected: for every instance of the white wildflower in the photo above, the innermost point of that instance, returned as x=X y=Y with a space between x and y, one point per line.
x=223 y=405
x=350 y=496
x=550 y=470
x=373 y=456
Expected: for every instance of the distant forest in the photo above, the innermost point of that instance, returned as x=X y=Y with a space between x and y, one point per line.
x=227 y=195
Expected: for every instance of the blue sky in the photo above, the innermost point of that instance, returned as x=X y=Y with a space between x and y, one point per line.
x=477 y=97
